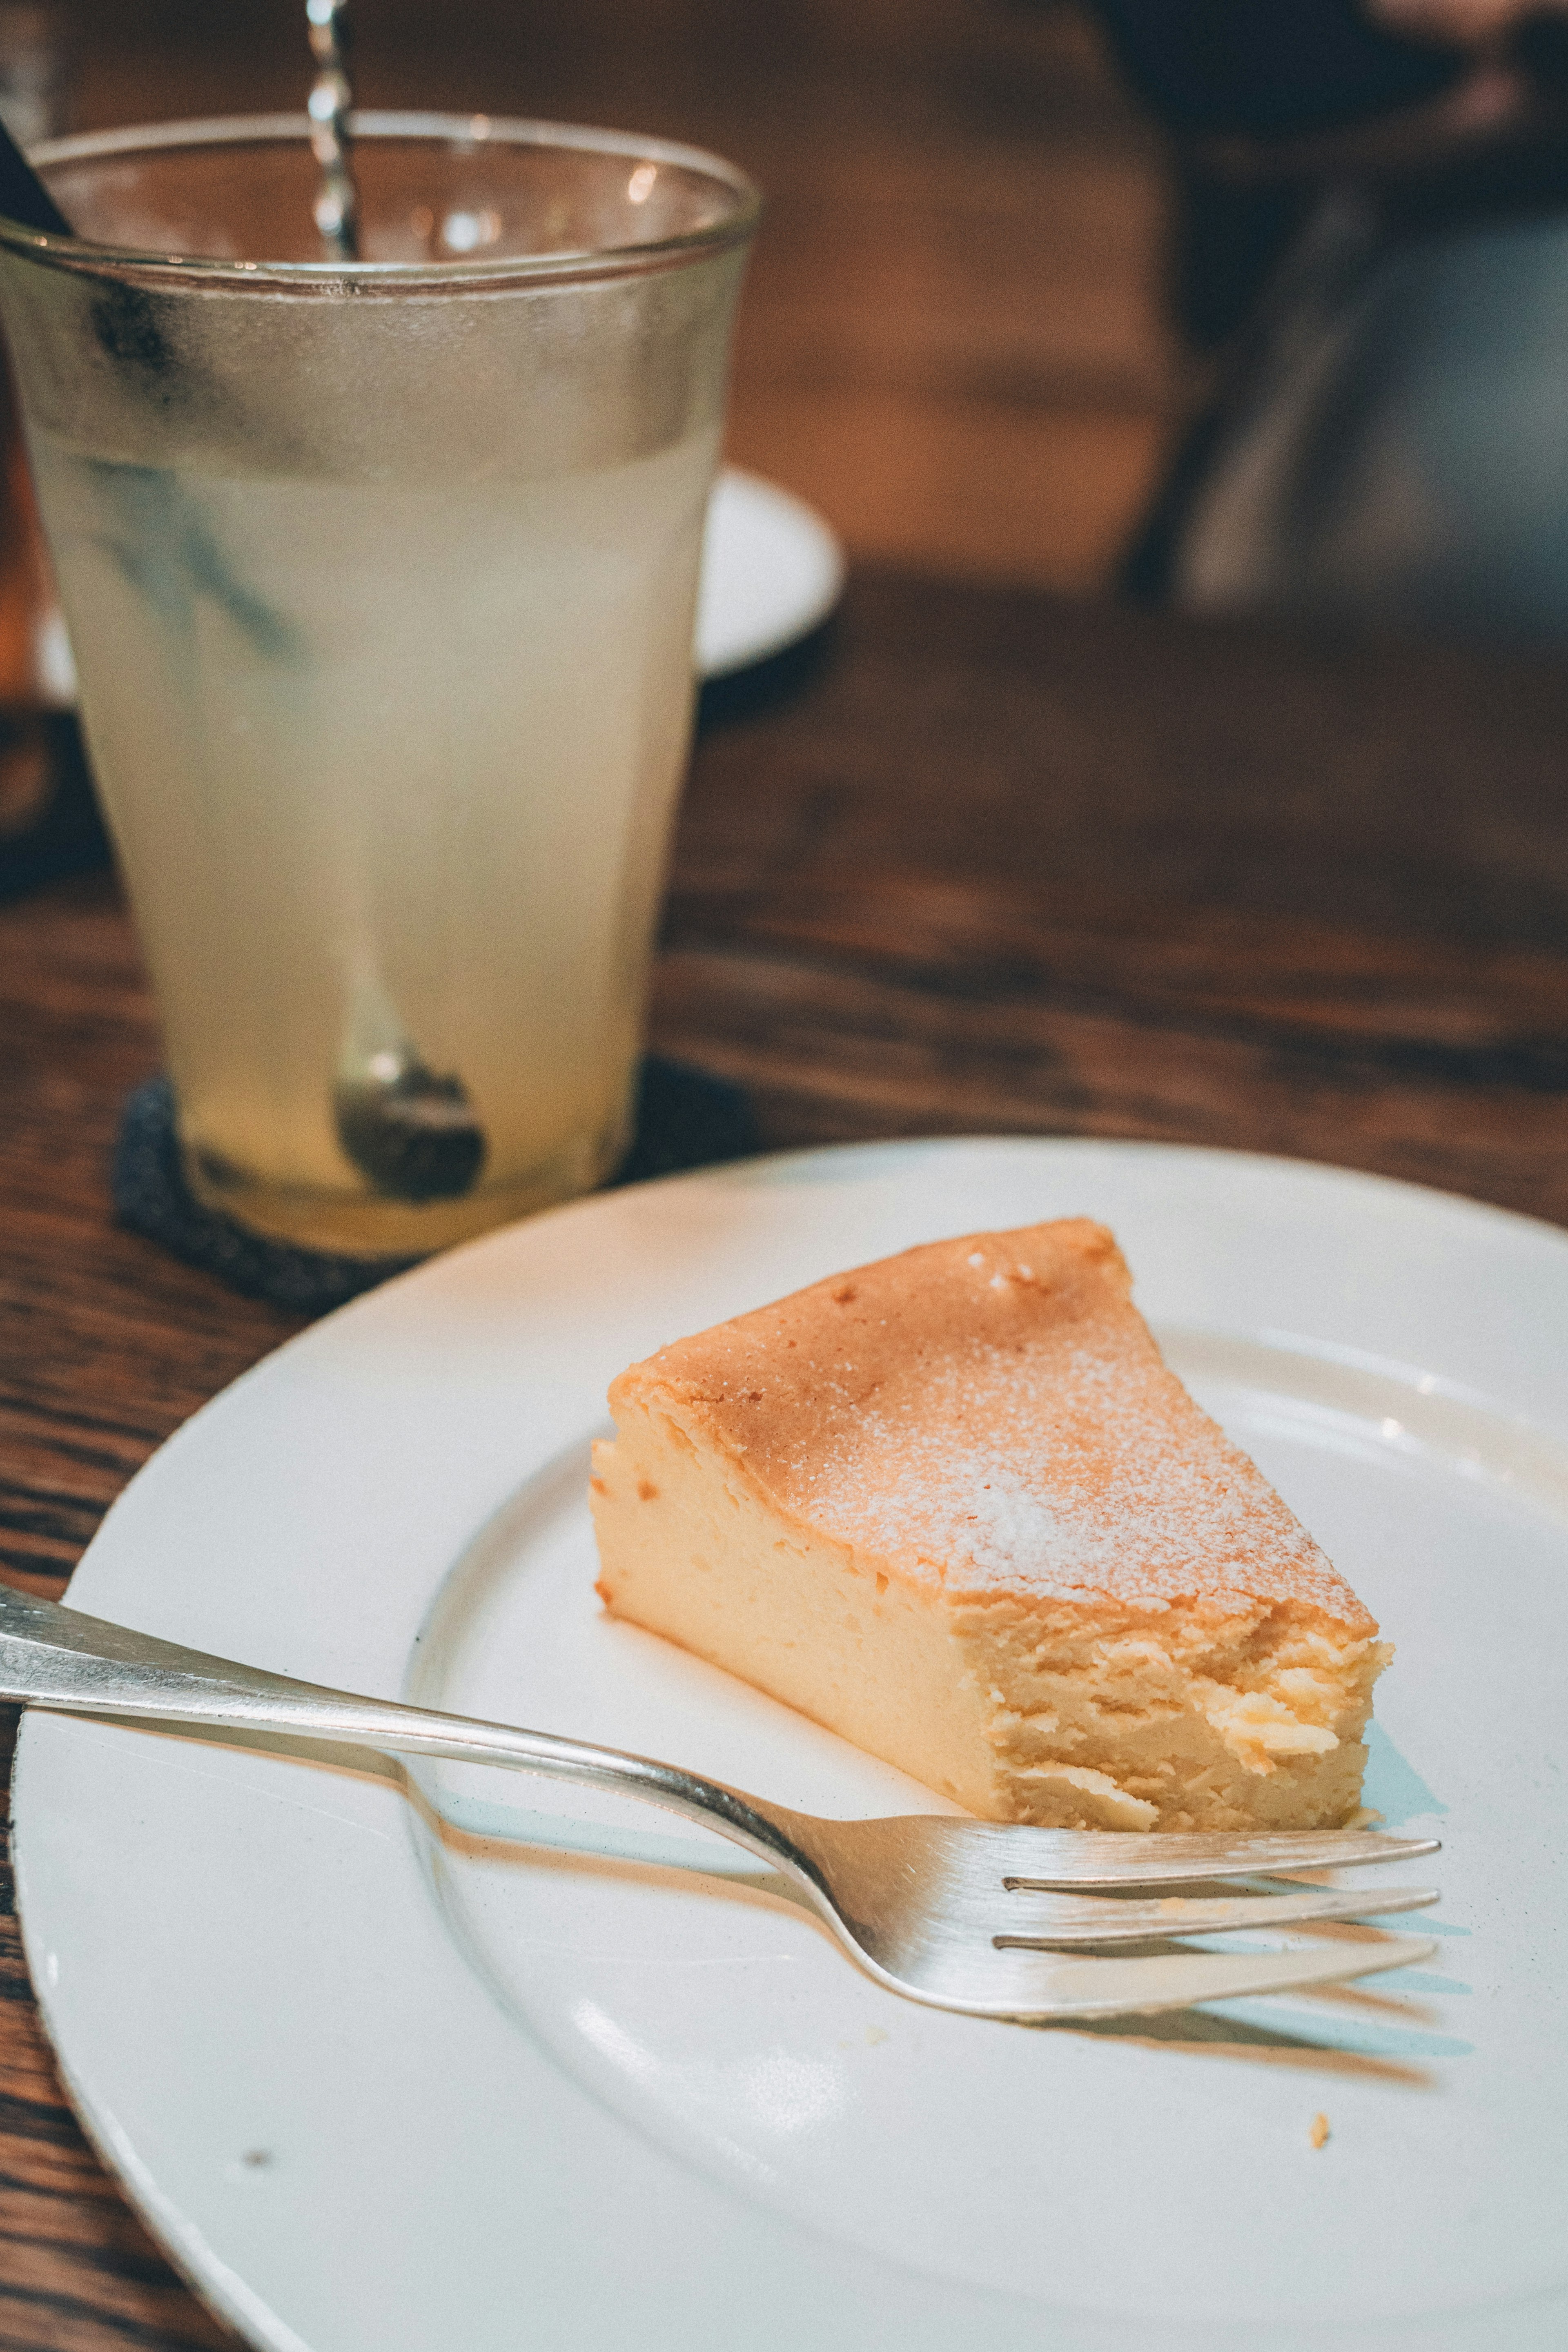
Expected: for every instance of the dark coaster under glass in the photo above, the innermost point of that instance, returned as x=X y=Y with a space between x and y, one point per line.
x=684 y=1119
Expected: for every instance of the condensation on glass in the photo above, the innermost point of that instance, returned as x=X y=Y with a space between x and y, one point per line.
x=380 y=579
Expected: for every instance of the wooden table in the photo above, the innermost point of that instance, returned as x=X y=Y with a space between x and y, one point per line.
x=980 y=861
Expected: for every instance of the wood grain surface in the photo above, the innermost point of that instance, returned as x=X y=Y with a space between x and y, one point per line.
x=1024 y=865
x=978 y=860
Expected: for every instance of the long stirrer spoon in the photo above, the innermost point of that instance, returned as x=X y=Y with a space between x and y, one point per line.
x=409 y=1129
x=337 y=204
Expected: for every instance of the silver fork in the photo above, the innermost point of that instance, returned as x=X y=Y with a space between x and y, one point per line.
x=963 y=1915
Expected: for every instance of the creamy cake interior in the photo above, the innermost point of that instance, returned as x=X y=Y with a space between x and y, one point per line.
x=955 y=1506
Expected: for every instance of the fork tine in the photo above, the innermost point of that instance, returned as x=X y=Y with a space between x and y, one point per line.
x=1039 y=1986
x=1047 y=1859
x=1045 y=1922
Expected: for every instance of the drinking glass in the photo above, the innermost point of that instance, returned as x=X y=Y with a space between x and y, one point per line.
x=380 y=578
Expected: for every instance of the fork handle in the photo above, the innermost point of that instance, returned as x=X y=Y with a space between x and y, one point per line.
x=62 y=1659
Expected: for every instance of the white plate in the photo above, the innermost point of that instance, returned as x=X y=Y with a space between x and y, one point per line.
x=772 y=570
x=386 y=2087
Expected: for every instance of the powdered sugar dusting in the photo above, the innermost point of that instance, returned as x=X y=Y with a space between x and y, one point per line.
x=991 y=1414
x=1057 y=1477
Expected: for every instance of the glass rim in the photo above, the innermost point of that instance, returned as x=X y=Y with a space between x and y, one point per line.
x=152 y=266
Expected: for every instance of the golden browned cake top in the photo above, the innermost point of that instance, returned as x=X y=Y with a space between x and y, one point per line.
x=991 y=1414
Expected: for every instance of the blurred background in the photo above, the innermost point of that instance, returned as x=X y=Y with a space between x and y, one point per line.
x=952 y=341
x=1016 y=248
x=1224 y=303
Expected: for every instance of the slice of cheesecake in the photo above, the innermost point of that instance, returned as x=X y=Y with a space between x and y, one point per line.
x=955 y=1506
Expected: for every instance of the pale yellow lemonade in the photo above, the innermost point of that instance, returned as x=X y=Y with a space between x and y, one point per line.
x=388 y=763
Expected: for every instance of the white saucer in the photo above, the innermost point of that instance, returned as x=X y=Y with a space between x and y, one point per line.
x=482 y=2067
x=772 y=570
